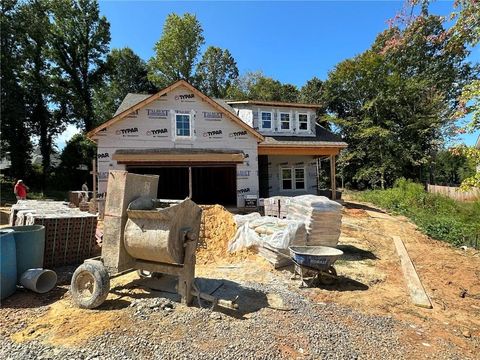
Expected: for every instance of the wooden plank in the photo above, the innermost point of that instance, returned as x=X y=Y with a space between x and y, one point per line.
x=415 y=287
x=186 y=158
x=333 y=183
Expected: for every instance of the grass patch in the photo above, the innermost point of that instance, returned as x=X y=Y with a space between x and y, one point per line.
x=437 y=216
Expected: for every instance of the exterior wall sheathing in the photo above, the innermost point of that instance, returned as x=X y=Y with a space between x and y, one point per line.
x=154 y=127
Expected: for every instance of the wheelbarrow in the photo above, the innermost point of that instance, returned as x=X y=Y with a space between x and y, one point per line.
x=314 y=264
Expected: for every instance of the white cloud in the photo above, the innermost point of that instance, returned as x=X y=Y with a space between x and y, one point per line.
x=62 y=139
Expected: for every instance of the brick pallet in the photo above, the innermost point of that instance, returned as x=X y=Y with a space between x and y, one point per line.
x=69 y=233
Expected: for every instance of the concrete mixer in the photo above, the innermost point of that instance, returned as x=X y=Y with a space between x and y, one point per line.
x=145 y=234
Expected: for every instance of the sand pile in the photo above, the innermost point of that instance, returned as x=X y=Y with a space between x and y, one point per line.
x=216 y=230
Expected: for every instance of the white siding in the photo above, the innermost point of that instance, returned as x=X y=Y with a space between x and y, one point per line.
x=153 y=127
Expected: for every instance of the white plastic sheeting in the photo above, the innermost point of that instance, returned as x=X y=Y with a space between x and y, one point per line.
x=256 y=230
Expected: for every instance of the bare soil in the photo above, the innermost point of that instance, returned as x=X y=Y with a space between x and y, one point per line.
x=370 y=282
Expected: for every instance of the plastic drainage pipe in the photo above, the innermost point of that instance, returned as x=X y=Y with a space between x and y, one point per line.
x=39 y=280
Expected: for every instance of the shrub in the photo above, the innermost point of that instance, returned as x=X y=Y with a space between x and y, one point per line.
x=437 y=216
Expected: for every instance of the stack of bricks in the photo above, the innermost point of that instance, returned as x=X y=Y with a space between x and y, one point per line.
x=69 y=233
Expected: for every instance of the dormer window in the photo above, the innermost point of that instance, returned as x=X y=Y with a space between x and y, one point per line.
x=303 y=123
x=285 y=121
x=266 y=120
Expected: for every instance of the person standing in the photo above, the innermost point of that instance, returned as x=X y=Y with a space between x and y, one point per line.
x=20 y=190
x=85 y=191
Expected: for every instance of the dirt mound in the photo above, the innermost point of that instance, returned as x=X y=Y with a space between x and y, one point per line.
x=216 y=229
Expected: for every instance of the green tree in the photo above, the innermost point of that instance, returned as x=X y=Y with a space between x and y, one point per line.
x=15 y=139
x=125 y=73
x=215 y=72
x=451 y=169
x=395 y=102
x=312 y=93
x=256 y=86
x=79 y=42
x=37 y=78
x=177 y=50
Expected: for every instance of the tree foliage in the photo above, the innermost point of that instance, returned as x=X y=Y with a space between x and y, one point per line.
x=79 y=41
x=15 y=139
x=256 y=86
x=395 y=103
x=177 y=50
x=125 y=73
x=216 y=71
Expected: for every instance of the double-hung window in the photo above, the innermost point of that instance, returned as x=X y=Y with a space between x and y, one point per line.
x=292 y=178
x=303 y=123
x=183 y=125
x=266 y=120
x=284 y=121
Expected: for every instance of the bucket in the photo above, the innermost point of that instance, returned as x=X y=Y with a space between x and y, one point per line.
x=8 y=264
x=39 y=280
x=30 y=247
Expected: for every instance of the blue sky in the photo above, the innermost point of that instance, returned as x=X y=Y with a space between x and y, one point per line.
x=290 y=41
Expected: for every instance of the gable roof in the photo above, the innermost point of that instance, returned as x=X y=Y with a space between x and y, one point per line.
x=130 y=100
x=273 y=103
x=147 y=99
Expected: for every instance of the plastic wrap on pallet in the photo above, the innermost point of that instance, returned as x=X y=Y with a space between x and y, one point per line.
x=270 y=235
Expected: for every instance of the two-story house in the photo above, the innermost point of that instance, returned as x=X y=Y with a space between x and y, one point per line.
x=213 y=150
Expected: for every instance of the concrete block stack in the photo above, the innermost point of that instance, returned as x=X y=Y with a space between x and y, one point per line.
x=69 y=232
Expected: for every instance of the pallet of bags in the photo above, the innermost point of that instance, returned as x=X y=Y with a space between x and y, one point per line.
x=322 y=218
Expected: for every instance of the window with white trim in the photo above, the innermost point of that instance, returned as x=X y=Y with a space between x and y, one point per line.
x=266 y=120
x=292 y=178
x=284 y=121
x=303 y=123
x=183 y=125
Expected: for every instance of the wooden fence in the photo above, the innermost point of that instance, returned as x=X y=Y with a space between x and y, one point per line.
x=455 y=192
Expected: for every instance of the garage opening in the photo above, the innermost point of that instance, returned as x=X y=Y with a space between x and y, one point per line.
x=210 y=184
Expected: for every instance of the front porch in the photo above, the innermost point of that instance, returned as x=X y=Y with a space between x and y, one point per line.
x=293 y=171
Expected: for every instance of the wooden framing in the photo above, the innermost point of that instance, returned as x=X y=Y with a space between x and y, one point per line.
x=333 y=181
x=167 y=158
x=168 y=89
x=297 y=150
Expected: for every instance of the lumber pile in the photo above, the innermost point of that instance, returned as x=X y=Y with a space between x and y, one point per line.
x=322 y=218
x=69 y=232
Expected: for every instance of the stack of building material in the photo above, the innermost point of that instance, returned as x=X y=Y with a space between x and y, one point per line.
x=321 y=216
x=69 y=233
x=276 y=206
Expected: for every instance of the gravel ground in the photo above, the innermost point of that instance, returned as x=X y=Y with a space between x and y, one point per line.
x=294 y=327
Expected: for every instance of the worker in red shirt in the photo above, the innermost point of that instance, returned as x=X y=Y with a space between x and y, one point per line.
x=20 y=190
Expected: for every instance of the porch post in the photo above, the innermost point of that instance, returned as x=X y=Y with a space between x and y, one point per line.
x=333 y=184
x=190 y=188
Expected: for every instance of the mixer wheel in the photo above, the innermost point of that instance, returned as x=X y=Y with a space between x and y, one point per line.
x=90 y=285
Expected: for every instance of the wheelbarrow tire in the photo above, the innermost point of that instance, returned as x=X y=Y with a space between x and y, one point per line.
x=330 y=278
x=90 y=285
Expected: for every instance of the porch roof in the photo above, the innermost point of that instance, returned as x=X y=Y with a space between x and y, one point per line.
x=323 y=143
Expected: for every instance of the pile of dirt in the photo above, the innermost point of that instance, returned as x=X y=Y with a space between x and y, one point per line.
x=216 y=230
